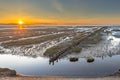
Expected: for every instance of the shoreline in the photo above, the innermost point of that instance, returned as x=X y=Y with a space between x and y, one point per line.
x=57 y=78
x=114 y=76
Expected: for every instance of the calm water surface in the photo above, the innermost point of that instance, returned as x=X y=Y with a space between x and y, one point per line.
x=40 y=66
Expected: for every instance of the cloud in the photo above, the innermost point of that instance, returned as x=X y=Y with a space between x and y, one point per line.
x=58 y=6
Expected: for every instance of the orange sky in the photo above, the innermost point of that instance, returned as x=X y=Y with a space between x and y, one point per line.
x=60 y=12
x=30 y=20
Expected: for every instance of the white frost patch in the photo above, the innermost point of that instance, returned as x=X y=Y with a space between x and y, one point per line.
x=35 y=49
x=34 y=37
x=110 y=46
x=4 y=50
x=40 y=36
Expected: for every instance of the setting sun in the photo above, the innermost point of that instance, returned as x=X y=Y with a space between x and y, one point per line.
x=20 y=22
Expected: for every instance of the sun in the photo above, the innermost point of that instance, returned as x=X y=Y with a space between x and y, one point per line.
x=20 y=22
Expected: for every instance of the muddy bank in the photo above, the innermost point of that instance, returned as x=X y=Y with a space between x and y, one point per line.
x=57 y=78
x=7 y=74
x=117 y=73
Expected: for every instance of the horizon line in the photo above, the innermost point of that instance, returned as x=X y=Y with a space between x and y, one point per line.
x=62 y=24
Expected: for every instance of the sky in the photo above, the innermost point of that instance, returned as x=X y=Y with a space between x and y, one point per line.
x=60 y=12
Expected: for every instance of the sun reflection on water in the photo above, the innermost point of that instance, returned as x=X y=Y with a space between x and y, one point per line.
x=20 y=27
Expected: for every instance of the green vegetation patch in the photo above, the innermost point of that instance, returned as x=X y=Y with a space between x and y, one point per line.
x=94 y=39
x=73 y=59
x=90 y=59
x=76 y=49
x=55 y=49
x=71 y=45
x=51 y=51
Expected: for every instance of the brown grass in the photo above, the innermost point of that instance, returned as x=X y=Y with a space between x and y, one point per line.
x=32 y=41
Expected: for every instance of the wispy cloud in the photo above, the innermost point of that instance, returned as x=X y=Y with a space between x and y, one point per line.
x=58 y=6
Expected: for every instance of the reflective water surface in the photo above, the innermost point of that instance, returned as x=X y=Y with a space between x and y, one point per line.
x=40 y=66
